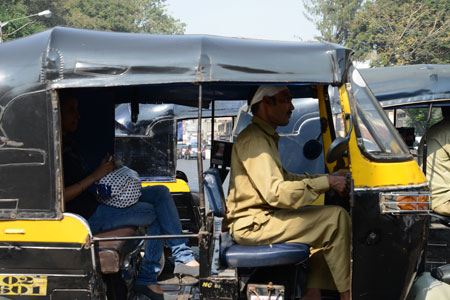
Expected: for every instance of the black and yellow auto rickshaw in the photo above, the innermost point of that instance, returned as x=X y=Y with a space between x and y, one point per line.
x=413 y=96
x=50 y=253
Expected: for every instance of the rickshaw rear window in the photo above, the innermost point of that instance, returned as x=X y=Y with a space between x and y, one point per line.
x=147 y=145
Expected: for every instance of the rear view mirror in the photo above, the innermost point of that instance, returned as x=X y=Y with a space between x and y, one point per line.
x=339 y=145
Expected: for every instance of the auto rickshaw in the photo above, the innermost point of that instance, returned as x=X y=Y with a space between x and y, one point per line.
x=50 y=253
x=401 y=91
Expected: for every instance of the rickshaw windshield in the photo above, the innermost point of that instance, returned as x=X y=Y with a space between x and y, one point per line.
x=376 y=136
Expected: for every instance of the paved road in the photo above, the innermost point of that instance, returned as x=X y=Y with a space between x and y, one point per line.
x=190 y=168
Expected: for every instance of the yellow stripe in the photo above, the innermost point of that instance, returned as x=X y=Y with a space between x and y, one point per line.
x=180 y=186
x=68 y=230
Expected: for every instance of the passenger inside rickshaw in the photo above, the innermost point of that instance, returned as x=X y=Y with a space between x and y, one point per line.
x=155 y=208
x=428 y=144
x=435 y=150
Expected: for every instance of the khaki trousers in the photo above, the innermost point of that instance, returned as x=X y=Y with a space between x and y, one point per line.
x=443 y=209
x=322 y=227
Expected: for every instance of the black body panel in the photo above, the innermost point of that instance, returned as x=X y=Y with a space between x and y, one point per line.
x=68 y=268
x=387 y=249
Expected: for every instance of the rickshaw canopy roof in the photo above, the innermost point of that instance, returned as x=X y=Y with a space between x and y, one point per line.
x=416 y=85
x=72 y=58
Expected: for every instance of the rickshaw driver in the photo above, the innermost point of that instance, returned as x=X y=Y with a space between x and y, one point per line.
x=266 y=204
x=438 y=163
x=155 y=208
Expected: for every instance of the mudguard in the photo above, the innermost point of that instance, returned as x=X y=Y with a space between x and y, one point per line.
x=428 y=288
x=442 y=273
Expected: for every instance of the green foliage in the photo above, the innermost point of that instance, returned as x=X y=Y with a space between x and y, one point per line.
x=12 y=30
x=402 y=32
x=393 y=32
x=141 y=16
x=332 y=17
x=388 y=32
x=418 y=118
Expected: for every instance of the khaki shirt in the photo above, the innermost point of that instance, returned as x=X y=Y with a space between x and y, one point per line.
x=438 y=162
x=259 y=184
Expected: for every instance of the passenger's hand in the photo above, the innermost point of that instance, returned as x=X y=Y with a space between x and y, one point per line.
x=106 y=166
x=339 y=183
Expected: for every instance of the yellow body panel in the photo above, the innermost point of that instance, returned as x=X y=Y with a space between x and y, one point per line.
x=320 y=200
x=326 y=136
x=367 y=173
x=180 y=186
x=70 y=229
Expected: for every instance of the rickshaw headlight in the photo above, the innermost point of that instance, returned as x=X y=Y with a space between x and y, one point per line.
x=405 y=202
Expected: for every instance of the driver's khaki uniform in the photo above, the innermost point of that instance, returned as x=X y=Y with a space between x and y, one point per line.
x=438 y=166
x=266 y=204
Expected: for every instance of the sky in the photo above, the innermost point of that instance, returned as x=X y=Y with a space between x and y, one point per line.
x=261 y=19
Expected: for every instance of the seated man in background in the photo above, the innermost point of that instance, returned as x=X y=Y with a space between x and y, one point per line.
x=155 y=208
x=267 y=204
x=438 y=163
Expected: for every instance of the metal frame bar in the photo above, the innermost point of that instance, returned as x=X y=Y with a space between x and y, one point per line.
x=146 y=237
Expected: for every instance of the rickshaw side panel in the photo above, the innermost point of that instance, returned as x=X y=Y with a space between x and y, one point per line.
x=60 y=265
x=387 y=246
x=387 y=249
x=46 y=257
x=28 y=158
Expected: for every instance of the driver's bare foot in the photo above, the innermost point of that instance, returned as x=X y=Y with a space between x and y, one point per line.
x=345 y=295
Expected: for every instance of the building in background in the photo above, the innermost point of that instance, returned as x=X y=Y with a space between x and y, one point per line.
x=187 y=130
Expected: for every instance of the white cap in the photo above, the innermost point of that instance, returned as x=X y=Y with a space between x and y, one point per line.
x=266 y=90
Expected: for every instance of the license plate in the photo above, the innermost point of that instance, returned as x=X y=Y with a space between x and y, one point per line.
x=31 y=285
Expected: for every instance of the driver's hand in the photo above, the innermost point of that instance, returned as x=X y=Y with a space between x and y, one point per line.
x=341 y=173
x=106 y=166
x=339 y=183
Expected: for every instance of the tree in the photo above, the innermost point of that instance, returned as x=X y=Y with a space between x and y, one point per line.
x=389 y=32
x=402 y=32
x=18 y=28
x=143 y=16
x=332 y=17
x=417 y=118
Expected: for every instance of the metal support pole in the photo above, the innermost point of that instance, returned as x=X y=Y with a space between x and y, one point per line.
x=425 y=143
x=199 y=156
x=146 y=237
